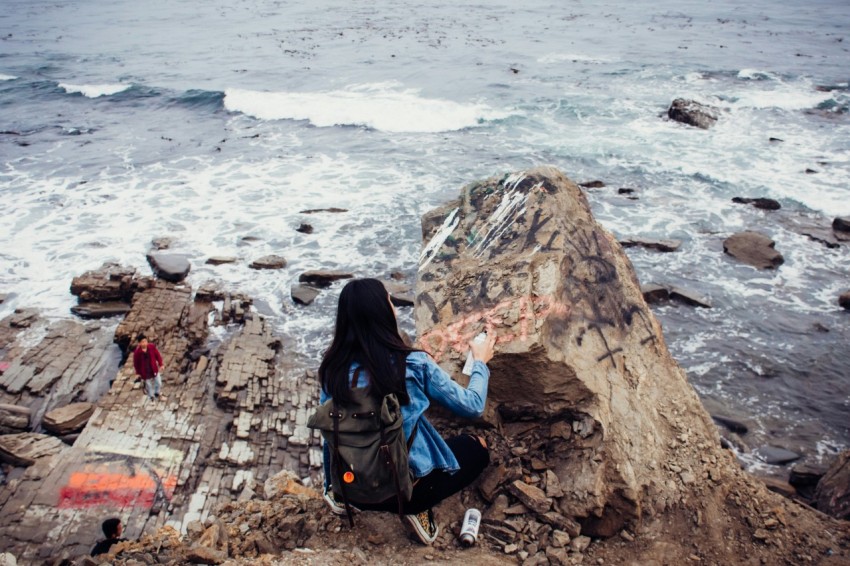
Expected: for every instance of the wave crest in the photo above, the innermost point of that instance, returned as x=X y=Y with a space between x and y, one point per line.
x=94 y=91
x=380 y=106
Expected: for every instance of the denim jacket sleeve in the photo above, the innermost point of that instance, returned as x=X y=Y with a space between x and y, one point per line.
x=467 y=402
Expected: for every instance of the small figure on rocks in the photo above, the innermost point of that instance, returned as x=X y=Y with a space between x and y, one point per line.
x=148 y=362
x=368 y=352
x=112 y=530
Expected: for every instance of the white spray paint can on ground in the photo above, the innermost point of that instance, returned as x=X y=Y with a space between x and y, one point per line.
x=467 y=367
x=469 y=528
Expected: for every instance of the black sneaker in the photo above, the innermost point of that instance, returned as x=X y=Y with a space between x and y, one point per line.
x=423 y=526
x=337 y=506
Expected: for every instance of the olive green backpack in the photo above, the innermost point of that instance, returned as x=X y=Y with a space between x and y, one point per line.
x=369 y=455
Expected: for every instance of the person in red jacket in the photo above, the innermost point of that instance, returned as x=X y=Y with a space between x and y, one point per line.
x=148 y=362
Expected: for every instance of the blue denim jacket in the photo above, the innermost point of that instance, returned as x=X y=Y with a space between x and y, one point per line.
x=426 y=382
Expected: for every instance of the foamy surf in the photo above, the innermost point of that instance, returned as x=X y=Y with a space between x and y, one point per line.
x=7 y=77
x=94 y=91
x=380 y=106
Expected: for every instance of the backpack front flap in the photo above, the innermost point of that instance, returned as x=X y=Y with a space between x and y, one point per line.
x=369 y=462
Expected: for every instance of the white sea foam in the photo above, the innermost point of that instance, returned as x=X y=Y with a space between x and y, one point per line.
x=574 y=57
x=382 y=106
x=7 y=77
x=94 y=91
x=755 y=74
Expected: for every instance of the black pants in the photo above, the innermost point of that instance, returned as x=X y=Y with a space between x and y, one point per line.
x=439 y=485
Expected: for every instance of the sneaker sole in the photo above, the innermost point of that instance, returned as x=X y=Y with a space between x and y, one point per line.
x=420 y=534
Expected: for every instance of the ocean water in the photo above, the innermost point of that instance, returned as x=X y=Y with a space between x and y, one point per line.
x=215 y=121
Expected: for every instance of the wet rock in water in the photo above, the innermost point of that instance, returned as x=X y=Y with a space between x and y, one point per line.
x=304 y=294
x=23 y=318
x=753 y=248
x=660 y=245
x=221 y=260
x=775 y=140
x=101 y=310
x=625 y=191
x=762 y=203
x=810 y=171
x=592 y=184
x=317 y=210
x=832 y=495
x=692 y=113
x=162 y=243
x=68 y=419
x=269 y=262
x=844 y=300
x=731 y=424
x=110 y=282
x=653 y=293
x=3 y=297
x=776 y=456
x=578 y=350
x=210 y=291
x=323 y=278
x=171 y=267
x=689 y=297
x=305 y=228
x=23 y=449
x=14 y=419
x=840 y=224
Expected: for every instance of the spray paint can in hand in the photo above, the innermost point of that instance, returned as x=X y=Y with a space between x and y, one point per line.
x=469 y=528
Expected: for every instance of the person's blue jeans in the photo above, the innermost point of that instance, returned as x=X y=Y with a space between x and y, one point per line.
x=152 y=386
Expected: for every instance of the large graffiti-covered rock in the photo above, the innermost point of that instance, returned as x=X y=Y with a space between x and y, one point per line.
x=580 y=359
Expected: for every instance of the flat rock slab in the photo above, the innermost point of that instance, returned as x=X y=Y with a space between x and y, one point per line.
x=14 y=419
x=323 y=278
x=660 y=245
x=221 y=260
x=316 y=210
x=776 y=456
x=692 y=113
x=401 y=295
x=25 y=448
x=733 y=425
x=101 y=310
x=68 y=419
x=269 y=262
x=753 y=248
x=171 y=267
x=304 y=294
x=654 y=293
x=689 y=297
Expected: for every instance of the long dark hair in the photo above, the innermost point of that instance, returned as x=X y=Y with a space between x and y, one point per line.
x=367 y=333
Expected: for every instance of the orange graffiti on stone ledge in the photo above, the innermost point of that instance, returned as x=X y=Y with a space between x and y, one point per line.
x=456 y=336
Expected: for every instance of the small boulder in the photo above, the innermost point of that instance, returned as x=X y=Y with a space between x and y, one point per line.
x=101 y=310
x=532 y=497
x=805 y=477
x=753 y=248
x=401 y=295
x=832 y=495
x=304 y=294
x=210 y=291
x=305 y=228
x=269 y=262
x=592 y=184
x=162 y=243
x=220 y=260
x=25 y=448
x=323 y=278
x=68 y=419
x=171 y=267
x=8 y=559
x=762 y=203
x=692 y=113
x=286 y=482
x=844 y=300
x=204 y=555
x=731 y=424
x=841 y=224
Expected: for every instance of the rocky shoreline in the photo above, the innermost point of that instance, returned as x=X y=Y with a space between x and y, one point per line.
x=602 y=452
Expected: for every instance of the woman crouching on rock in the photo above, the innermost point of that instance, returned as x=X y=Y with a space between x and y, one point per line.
x=368 y=352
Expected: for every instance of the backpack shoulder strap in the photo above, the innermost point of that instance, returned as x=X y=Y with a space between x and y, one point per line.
x=336 y=415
